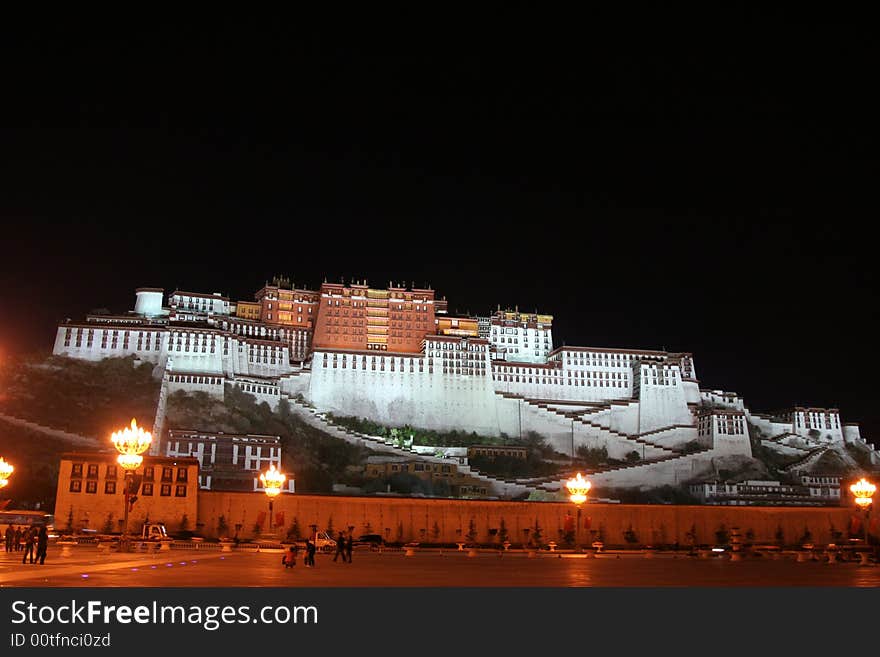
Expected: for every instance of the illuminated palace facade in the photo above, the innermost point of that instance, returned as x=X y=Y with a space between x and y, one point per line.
x=396 y=355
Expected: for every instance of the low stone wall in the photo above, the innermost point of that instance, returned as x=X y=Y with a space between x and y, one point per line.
x=444 y=520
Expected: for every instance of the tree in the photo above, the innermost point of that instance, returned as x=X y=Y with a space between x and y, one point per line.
x=633 y=456
x=502 y=531
x=222 y=526
x=108 y=524
x=722 y=536
x=70 y=519
x=329 y=528
x=471 y=536
x=630 y=535
x=184 y=523
x=537 y=534
x=294 y=532
x=780 y=536
x=435 y=532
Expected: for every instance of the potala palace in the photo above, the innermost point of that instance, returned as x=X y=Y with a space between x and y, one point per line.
x=395 y=355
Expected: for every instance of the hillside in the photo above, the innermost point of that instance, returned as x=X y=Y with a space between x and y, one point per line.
x=315 y=459
x=91 y=399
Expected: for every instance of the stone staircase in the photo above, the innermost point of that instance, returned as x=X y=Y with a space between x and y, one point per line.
x=557 y=481
x=66 y=436
x=807 y=461
x=320 y=421
x=587 y=413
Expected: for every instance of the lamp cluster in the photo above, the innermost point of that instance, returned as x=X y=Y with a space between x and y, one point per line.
x=131 y=442
x=863 y=491
x=272 y=481
x=6 y=471
x=578 y=487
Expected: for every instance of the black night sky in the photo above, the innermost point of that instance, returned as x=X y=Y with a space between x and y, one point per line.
x=699 y=191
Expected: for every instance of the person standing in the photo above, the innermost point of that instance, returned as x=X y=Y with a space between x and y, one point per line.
x=340 y=547
x=310 y=553
x=349 y=546
x=17 y=539
x=10 y=537
x=42 y=544
x=29 y=539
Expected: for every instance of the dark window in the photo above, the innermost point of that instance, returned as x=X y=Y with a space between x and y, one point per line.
x=147 y=489
x=110 y=488
x=167 y=474
x=165 y=491
x=111 y=472
x=181 y=474
x=76 y=486
x=148 y=473
x=91 y=486
x=180 y=491
x=76 y=470
x=93 y=471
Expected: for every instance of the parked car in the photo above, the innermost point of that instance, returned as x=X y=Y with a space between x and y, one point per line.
x=322 y=540
x=370 y=541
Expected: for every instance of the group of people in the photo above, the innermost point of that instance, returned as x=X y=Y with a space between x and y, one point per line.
x=289 y=558
x=33 y=541
x=344 y=546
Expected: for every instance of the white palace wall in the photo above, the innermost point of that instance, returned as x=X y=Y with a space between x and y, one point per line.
x=405 y=395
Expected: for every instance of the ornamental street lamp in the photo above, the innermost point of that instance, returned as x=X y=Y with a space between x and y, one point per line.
x=131 y=442
x=6 y=471
x=272 y=481
x=578 y=487
x=863 y=491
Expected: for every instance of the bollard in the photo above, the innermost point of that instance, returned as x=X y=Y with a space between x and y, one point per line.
x=410 y=552
x=648 y=554
x=736 y=556
x=530 y=554
x=802 y=556
x=864 y=559
x=832 y=556
x=165 y=546
x=226 y=547
x=472 y=552
x=460 y=547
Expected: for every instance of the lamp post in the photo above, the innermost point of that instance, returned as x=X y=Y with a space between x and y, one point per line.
x=131 y=442
x=578 y=487
x=863 y=491
x=6 y=471
x=272 y=481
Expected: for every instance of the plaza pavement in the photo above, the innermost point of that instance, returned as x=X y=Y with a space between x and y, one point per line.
x=86 y=567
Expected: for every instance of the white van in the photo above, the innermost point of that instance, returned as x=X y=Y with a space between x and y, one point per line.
x=322 y=540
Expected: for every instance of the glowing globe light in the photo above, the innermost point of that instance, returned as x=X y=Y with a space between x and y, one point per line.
x=578 y=487
x=272 y=481
x=6 y=471
x=863 y=491
x=131 y=442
